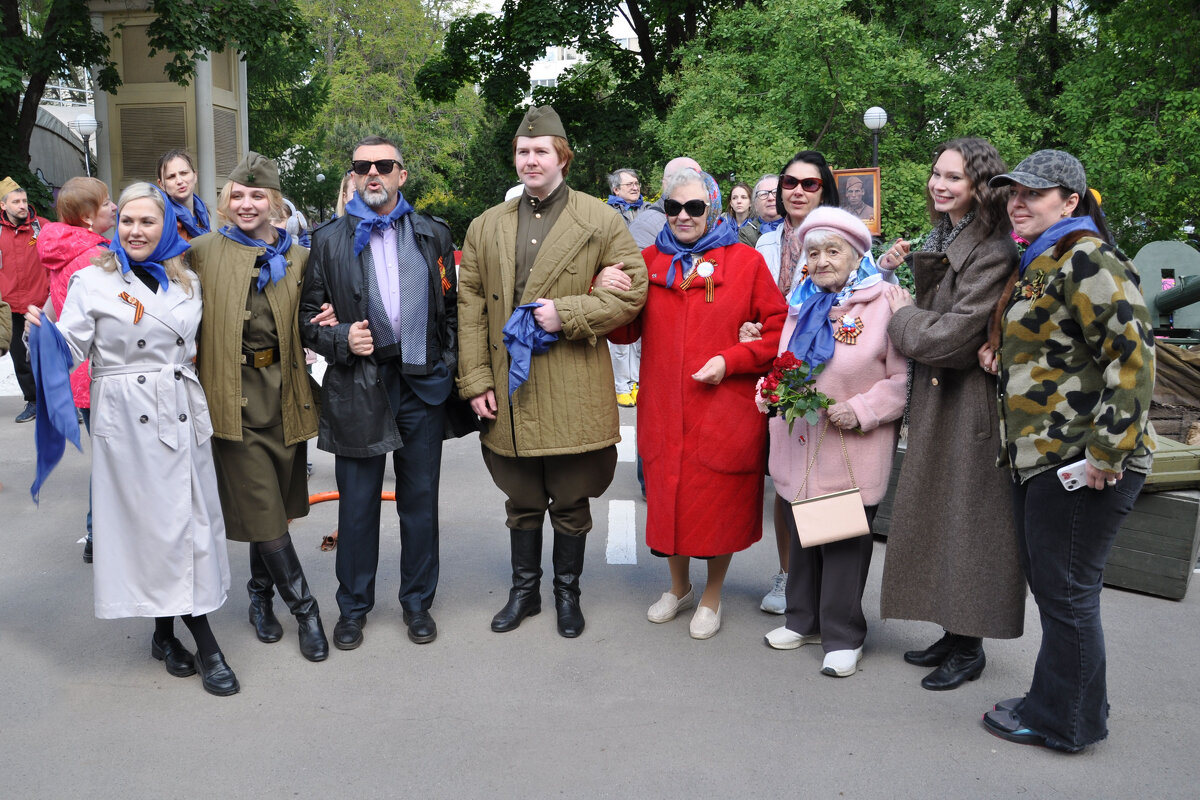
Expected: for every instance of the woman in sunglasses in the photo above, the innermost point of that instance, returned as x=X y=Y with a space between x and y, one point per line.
x=952 y=549
x=699 y=433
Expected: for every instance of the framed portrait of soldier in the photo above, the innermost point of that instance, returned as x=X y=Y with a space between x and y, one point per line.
x=859 y=193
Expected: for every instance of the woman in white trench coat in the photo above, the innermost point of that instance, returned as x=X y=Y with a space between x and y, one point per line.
x=159 y=534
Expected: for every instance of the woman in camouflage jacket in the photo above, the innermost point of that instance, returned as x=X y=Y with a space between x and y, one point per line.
x=1076 y=371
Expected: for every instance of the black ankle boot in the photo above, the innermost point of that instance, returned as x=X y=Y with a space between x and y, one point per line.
x=568 y=565
x=262 y=615
x=524 y=599
x=933 y=655
x=285 y=569
x=965 y=663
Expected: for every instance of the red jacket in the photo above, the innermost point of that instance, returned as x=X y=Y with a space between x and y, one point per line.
x=64 y=250
x=23 y=279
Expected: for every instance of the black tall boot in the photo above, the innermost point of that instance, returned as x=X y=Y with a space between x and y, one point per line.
x=568 y=566
x=285 y=569
x=262 y=615
x=965 y=663
x=524 y=598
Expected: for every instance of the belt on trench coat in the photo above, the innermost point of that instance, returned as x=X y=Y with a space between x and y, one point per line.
x=164 y=383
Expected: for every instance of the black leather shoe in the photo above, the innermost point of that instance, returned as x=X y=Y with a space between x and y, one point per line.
x=570 y=615
x=174 y=655
x=421 y=627
x=933 y=655
x=314 y=645
x=217 y=677
x=964 y=664
x=87 y=552
x=347 y=633
x=521 y=604
x=1006 y=725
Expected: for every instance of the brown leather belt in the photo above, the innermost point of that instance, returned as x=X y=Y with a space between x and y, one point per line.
x=260 y=358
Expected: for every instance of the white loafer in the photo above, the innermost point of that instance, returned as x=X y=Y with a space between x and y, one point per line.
x=841 y=663
x=705 y=623
x=783 y=638
x=669 y=605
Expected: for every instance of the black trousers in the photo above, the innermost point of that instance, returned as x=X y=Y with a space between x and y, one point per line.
x=20 y=359
x=417 y=467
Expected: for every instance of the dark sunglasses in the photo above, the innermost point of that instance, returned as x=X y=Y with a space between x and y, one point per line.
x=694 y=208
x=810 y=185
x=383 y=167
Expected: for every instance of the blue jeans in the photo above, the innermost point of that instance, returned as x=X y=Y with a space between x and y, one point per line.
x=1065 y=538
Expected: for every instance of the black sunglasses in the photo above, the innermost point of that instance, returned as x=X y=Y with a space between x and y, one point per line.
x=810 y=185
x=694 y=208
x=384 y=167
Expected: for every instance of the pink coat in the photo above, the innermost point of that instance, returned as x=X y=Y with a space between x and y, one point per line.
x=64 y=250
x=870 y=375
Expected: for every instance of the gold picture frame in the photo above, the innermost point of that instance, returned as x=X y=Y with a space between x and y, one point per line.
x=858 y=190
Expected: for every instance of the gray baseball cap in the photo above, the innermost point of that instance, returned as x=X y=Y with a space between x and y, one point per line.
x=1046 y=169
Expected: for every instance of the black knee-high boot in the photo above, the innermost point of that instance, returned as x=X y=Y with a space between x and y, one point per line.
x=262 y=615
x=286 y=572
x=568 y=566
x=524 y=598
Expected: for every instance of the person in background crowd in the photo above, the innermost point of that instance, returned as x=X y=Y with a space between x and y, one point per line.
x=157 y=510
x=86 y=216
x=804 y=183
x=550 y=425
x=23 y=280
x=699 y=431
x=1075 y=359
x=767 y=216
x=952 y=548
x=625 y=193
x=259 y=395
x=177 y=178
x=738 y=212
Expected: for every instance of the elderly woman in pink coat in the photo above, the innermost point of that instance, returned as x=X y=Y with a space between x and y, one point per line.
x=838 y=317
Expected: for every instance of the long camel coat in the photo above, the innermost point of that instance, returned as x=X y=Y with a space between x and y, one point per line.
x=952 y=548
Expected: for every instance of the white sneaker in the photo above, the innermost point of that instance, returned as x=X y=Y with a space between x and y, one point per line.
x=669 y=605
x=705 y=623
x=775 y=601
x=841 y=663
x=783 y=638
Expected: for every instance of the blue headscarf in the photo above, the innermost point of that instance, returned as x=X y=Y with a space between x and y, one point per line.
x=767 y=227
x=170 y=244
x=1051 y=235
x=812 y=339
x=369 y=219
x=621 y=204
x=276 y=256
x=717 y=233
x=524 y=339
x=197 y=224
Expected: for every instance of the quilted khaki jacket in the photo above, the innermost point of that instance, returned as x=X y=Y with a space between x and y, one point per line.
x=224 y=267
x=568 y=404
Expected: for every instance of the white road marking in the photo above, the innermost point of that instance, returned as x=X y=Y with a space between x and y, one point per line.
x=627 y=447
x=622 y=532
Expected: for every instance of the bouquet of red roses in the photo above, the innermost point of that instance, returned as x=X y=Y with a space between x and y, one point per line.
x=790 y=389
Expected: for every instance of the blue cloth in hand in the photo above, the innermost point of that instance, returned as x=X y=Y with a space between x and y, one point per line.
x=524 y=338
x=56 y=420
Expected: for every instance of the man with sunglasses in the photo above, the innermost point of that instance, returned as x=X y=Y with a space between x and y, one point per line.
x=388 y=273
x=533 y=359
x=767 y=216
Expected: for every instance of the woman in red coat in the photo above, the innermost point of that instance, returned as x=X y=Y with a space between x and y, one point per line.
x=700 y=435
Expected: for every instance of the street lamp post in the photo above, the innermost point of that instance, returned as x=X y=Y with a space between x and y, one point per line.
x=875 y=118
x=86 y=126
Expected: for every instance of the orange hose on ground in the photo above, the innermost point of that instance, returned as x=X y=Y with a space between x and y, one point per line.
x=321 y=497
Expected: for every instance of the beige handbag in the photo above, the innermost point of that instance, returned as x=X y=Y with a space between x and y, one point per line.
x=830 y=517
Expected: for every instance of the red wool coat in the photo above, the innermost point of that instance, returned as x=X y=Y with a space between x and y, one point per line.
x=703 y=447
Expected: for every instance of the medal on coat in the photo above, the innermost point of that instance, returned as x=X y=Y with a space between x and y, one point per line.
x=1033 y=285
x=847 y=328
x=442 y=270
x=705 y=270
x=138 y=308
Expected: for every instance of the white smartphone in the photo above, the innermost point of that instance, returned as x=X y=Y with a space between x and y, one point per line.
x=1073 y=476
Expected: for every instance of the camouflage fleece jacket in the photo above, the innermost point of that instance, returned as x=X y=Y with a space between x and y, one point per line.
x=1077 y=362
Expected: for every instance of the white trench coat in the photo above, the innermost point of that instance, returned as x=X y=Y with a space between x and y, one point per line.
x=156 y=516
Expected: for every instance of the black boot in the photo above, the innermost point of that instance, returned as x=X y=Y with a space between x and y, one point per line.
x=568 y=565
x=525 y=598
x=965 y=663
x=933 y=655
x=262 y=615
x=285 y=569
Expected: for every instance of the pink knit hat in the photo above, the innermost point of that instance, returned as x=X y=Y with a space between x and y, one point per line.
x=829 y=219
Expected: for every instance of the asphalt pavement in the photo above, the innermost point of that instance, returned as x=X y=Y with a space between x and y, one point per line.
x=628 y=710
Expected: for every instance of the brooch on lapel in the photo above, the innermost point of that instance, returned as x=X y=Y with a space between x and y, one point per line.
x=847 y=328
x=138 y=308
x=705 y=270
x=1033 y=286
